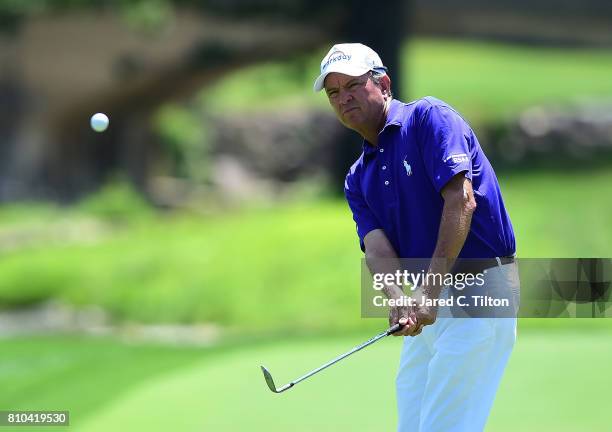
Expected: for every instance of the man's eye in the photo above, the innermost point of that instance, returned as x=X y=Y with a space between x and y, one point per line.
x=332 y=93
x=353 y=85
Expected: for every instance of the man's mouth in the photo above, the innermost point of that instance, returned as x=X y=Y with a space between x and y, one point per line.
x=349 y=110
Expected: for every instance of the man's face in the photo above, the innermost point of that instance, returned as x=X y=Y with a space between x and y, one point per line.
x=357 y=101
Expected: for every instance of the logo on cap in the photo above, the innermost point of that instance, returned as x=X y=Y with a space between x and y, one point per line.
x=336 y=56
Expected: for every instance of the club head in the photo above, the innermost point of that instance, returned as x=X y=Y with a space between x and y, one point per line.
x=270 y=382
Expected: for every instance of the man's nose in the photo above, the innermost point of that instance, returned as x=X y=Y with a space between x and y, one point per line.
x=344 y=96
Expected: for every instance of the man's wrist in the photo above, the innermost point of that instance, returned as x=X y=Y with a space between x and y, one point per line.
x=393 y=292
x=430 y=291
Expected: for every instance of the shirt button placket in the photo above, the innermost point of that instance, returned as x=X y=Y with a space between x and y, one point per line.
x=384 y=167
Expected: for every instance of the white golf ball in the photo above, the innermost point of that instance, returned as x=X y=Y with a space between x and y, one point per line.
x=99 y=122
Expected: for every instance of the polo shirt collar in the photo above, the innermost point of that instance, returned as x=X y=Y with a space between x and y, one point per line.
x=393 y=119
x=394 y=116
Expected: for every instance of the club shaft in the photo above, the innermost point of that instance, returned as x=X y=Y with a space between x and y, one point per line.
x=337 y=359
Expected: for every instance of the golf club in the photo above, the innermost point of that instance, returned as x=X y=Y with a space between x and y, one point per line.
x=270 y=381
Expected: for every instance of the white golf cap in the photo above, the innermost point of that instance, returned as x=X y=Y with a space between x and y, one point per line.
x=352 y=59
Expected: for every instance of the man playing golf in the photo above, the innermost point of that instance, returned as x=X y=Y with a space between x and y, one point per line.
x=423 y=188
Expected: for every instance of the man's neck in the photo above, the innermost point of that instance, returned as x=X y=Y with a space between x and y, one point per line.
x=371 y=136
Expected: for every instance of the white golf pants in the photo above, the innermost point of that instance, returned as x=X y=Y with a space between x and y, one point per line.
x=449 y=374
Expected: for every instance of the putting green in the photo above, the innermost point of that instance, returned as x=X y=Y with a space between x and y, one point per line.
x=231 y=394
x=556 y=380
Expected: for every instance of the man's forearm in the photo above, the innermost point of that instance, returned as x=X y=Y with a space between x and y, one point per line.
x=454 y=228
x=385 y=264
x=381 y=258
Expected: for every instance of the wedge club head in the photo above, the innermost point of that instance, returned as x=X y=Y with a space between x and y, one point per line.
x=270 y=382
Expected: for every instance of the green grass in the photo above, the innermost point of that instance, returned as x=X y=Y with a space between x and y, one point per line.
x=491 y=81
x=304 y=258
x=79 y=374
x=223 y=269
x=562 y=214
x=555 y=381
x=284 y=269
x=485 y=81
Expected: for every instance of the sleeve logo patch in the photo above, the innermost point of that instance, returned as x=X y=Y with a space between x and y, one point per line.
x=458 y=158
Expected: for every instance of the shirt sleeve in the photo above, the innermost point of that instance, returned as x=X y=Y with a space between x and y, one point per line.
x=362 y=215
x=445 y=145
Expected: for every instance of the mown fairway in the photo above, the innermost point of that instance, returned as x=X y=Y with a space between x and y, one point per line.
x=556 y=381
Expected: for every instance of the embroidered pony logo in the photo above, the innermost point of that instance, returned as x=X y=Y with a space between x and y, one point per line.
x=408 y=168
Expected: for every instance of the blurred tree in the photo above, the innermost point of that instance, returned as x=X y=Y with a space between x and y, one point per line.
x=127 y=58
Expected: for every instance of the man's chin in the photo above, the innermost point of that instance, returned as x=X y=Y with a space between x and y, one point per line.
x=352 y=118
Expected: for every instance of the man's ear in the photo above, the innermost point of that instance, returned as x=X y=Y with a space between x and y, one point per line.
x=385 y=83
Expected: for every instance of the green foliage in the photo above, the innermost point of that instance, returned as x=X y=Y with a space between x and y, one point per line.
x=268 y=86
x=184 y=133
x=30 y=7
x=34 y=7
x=147 y=16
x=25 y=212
x=117 y=201
x=487 y=82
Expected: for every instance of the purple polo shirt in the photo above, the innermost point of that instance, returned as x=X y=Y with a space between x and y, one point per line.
x=396 y=185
